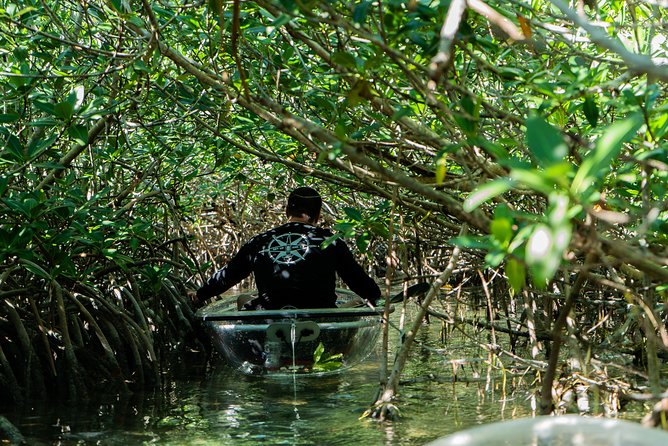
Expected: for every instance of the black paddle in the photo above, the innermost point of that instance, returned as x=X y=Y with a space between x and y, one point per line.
x=412 y=291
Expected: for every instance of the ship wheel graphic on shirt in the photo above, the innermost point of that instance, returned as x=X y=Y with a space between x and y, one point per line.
x=287 y=249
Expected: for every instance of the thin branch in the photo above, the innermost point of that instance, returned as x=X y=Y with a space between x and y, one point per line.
x=638 y=63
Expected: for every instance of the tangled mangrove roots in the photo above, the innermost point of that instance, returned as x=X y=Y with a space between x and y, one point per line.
x=65 y=338
x=603 y=348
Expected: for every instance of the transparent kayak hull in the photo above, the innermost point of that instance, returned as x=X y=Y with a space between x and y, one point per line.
x=289 y=341
x=564 y=430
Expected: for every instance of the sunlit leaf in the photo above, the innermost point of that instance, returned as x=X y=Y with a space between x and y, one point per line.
x=533 y=179
x=441 y=169
x=516 y=273
x=539 y=245
x=559 y=205
x=76 y=97
x=607 y=148
x=494 y=258
x=486 y=192
x=502 y=230
x=471 y=242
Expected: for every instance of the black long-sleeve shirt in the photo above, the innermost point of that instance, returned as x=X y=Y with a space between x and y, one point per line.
x=291 y=268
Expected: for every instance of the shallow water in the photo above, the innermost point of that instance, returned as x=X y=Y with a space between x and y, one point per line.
x=213 y=405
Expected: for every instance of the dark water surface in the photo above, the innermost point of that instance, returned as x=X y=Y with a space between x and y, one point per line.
x=213 y=405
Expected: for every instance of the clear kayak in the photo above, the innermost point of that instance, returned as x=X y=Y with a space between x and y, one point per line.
x=291 y=341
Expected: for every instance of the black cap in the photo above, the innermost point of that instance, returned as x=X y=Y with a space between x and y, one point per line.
x=304 y=200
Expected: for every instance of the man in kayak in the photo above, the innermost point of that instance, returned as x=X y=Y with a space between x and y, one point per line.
x=292 y=265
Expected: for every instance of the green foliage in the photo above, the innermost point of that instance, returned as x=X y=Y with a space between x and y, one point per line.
x=608 y=146
x=118 y=139
x=364 y=225
x=545 y=142
x=324 y=362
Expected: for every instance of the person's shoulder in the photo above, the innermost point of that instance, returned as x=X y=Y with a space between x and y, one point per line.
x=323 y=231
x=332 y=241
x=317 y=232
x=263 y=236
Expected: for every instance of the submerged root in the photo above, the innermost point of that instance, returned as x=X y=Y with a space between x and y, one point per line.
x=383 y=411
x=658 y=417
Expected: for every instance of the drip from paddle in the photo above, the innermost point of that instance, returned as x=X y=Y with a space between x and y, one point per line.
x=293 y=341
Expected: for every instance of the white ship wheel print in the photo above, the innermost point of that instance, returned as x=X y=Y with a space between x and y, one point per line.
x=287 y=249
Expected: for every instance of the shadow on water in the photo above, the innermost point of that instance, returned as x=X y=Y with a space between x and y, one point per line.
x=210 y=404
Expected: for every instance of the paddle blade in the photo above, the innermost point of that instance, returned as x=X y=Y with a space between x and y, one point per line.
x=414 y=290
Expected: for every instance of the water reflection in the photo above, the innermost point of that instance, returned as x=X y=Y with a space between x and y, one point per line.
x=210 y=404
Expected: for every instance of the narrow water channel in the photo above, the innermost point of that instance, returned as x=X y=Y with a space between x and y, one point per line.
x=213 y=405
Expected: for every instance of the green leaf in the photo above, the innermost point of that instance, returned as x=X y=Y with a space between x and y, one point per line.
x=353 y=214
x=281 y=20
x=35 y=269
x=559 y=173
x=495 y=149
x=590 y=110
x=79 y=133
x=502 y=230
x=533 y=179
x=516 y=274
x=494 y=258
x=323 y=362
x=76 y=97
x=544 y=251
x=557 y=212
x=607 y=148
x=468 y=121
x=362 y=241
x=659 y=125
x=441 y=169
x=317 y=354
x=45 y=107
x=343 y=58
x=545 y=142
x=471 y=242
x=64 y=110
x=6 y=118
x=361 y=11
x=25 y=11
x=486 y=192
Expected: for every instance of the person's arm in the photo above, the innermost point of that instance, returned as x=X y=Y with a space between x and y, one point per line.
x=354 y=275
x=234 y=272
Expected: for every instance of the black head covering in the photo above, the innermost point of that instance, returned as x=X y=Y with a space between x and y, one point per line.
x=304 y=200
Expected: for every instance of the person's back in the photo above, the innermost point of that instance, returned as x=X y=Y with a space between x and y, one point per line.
x=292 y=263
